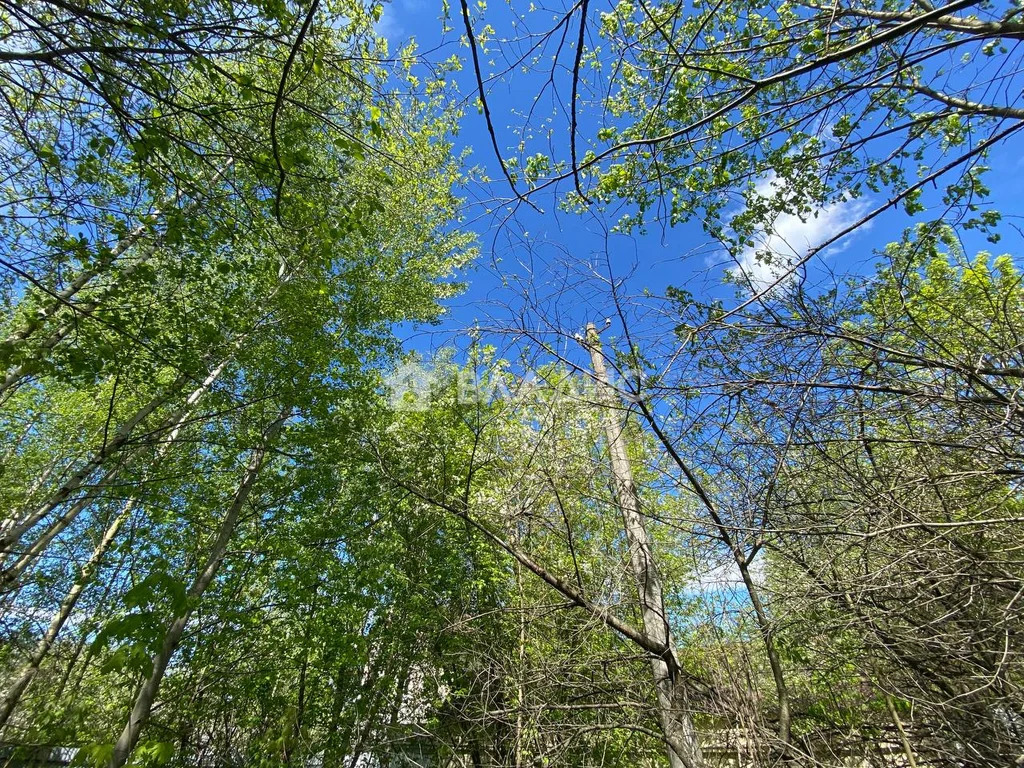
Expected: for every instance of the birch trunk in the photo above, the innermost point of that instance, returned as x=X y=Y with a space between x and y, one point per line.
x=14 y=693
x=676 y=725
x=147 y=693
x=41 y=480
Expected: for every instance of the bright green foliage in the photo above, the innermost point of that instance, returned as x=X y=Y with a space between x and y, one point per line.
x=873 y=428
x=185 y=276
x=225 y=542
x=703 y=104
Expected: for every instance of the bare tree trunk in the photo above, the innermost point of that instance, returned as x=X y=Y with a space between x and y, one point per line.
x=175 y=422
x=14 y=693
x=147 y=693
x=676 y=724
x=83 y=639
x=81 y=476
x=29 y=556
x=767 y=631
x=908 y=751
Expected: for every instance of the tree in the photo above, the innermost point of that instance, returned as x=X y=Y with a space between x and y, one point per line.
x=731 y=114
x=529 y=475
x=167 y=391
x=876 y=424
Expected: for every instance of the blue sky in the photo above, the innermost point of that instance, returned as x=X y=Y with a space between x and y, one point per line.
x=561 y=261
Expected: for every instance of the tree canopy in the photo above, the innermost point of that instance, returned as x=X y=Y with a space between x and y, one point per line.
x=753 y=509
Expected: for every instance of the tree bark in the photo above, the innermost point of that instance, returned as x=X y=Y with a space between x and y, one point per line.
x=14 y=693
x=676 y=724
x=908 y=751
x=147 y=693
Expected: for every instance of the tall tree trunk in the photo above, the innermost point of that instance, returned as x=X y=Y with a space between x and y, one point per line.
x=14 y=693
x=332 y=753
x=291 y=743
x=147 y=693
x=175 y=423
x=676 y=724
x=9 y=575
x=767 y=632
x=520 y=728
x=660 y=649
x=81 y=476
x=908 y=751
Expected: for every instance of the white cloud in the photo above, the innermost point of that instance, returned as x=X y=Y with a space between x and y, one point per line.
x=726 y=575
x=388 y=26
x=791 y=236
x=394 y=15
